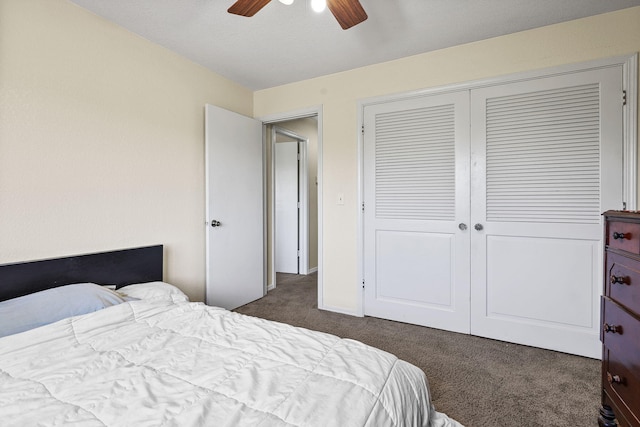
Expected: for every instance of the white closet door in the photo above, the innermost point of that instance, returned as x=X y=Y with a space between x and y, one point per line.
x=416 y=192
x=547 y=161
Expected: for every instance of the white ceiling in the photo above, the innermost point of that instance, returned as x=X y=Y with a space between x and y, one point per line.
x=283 y=44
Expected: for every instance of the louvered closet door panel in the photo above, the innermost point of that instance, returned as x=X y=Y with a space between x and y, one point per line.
x=415 y=164
x=547 y=158
x=416 y=182
x=543 y=156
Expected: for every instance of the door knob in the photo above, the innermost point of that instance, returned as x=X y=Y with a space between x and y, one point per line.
x=478 y=227
x=462 y=226
x=215 y=223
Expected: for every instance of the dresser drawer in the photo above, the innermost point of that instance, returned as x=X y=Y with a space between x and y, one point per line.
x=622 y=281
x=620 y=332
x=621 y=356
x=624 y=416
x=624 y=236
x=626 y=393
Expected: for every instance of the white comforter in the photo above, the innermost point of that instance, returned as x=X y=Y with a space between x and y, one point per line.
x=152 y=363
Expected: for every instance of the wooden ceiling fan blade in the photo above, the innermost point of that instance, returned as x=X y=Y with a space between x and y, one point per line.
x=247 y=7
x=347 y=12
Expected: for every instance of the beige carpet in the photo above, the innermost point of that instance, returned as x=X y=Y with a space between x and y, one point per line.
x=477 y=381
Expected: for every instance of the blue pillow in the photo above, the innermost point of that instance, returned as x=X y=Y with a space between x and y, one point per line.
x=41 y=308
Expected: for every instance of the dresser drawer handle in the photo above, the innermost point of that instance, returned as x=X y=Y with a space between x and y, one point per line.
x=614 y=379
x=619 y=236
x=614 y=329
x=618 y=279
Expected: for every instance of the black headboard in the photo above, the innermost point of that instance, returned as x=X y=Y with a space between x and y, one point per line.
x=120 y=268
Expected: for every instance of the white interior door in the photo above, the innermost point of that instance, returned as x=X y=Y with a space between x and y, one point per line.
x=286 y=201
x=547 y=161
x=235 y=209
x=416 y=192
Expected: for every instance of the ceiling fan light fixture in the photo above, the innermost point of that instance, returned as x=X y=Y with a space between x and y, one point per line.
x=287 y=2
x=347 y=12
x=318 y=5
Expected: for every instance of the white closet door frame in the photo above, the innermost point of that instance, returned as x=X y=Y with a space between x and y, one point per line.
x=629 y=65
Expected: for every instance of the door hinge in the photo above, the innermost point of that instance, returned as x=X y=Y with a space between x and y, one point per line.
x=298 y=156
x=624 y=97
x=362 y=206
x=298 y=254
x=624 y=206
x=363 y=284
x=363 y=129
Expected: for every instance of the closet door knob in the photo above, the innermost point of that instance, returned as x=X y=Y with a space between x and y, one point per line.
x=462 y=226
x=478 y=227
x=215 y=223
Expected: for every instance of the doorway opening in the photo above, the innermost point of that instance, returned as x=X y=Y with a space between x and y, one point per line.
x=290 y=234
x=292 y=197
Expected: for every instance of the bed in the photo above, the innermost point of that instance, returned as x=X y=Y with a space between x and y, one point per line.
x=150 y=357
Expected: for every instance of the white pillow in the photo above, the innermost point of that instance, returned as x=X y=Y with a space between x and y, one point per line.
x=153 y=290
x=44 y=307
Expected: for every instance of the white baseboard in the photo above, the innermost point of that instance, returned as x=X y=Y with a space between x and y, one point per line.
x=271 y=287
x=312 y=270
x=340 y=310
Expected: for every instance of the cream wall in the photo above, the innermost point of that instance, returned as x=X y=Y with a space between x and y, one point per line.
x=592 y=38
x=101 y=131
x=101 y=140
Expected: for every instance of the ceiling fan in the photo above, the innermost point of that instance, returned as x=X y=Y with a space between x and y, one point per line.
x=347 y=12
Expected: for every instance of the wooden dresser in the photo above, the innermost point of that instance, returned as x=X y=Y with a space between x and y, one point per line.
x=620 y=320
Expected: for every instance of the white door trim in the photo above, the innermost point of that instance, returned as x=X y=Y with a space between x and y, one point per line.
x=629 y=65
x=360 y=206
x=630 y=132
x=300 y=114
